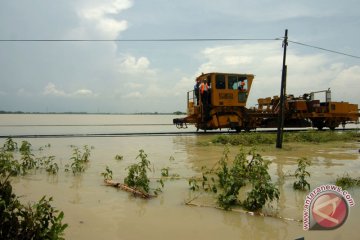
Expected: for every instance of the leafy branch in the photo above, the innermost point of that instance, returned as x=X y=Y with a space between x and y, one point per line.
x=301 y=174
x=227 y=177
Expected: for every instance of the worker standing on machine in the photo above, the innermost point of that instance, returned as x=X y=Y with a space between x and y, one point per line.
x=242 y=85
x=204 y=92
x=197 y=90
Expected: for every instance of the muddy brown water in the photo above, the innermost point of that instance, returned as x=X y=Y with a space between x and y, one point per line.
x=96 y=211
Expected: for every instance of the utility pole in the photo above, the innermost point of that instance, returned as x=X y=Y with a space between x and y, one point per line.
x=280 y=128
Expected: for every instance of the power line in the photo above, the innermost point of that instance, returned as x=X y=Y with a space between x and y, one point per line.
x=324 y=49
x=142 y=40
x=175 y=40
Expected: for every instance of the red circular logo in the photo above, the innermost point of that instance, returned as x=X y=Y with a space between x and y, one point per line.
x=330 y=210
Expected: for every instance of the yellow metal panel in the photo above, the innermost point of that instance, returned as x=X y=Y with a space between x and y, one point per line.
x=300 y=106
x=191 y=109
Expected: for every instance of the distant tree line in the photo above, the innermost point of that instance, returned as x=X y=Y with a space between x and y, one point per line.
x=144 y=113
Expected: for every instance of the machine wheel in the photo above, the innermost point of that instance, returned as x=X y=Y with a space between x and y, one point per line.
x=237 y=129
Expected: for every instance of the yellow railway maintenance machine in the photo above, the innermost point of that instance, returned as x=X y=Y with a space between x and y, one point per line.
x=306 y=111
x=218 y=102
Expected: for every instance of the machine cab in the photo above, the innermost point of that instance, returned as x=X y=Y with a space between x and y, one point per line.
x=222 y=89
x=230 y=89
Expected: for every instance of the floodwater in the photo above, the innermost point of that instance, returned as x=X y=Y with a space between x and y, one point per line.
x=96 y=211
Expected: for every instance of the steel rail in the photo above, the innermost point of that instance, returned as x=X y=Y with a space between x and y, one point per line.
x=150 y=134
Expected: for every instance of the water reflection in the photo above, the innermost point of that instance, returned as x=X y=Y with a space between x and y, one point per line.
x=76 y=186
x=52 y=179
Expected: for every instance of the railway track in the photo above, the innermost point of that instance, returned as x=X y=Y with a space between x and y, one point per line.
x=156 y=134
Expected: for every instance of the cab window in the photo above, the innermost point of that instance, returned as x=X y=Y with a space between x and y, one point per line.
x=237 y=83
x=233 y=82
x=220 y=81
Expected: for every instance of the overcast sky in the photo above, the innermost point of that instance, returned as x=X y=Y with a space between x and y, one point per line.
x=129 y=77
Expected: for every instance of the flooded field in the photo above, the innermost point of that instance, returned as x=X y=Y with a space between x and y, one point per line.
x=96 y=211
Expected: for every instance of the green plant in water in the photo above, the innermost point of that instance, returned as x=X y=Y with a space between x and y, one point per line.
x=18 y=221
x=10 y=145
x=119 y=157
x=245 y=139
x=50 y=166
x=28 y=160
x=108 y=174
x=226 y=179
x=193 y=183
x=159 y=189
x=43 y=147
x=301 y=174
x=346 y=181
x=263 y=190
x=137 y=173
x=165 y=172
x=9 y=165
x=253 y=139
x=230 y=178
x=79 y=159
x=86 y=154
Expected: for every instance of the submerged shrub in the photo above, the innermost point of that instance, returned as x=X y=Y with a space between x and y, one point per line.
x=10 y=145
x=18 y=221
x=79 y=159
x=263 y=190
x=137 y=173
x=21 y=160
x=301 y=174
x=37 y=221
x=228 y=177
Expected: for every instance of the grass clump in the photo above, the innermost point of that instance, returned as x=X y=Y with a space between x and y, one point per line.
x=346 y=181
x=320 y=136
x=245 y=139
x=256 y=138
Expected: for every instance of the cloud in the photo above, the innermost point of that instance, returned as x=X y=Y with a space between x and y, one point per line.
x=132 y=65
x=242 y=57
x=133 y=95
x=271 y=11
x=347 y=84
x=52 y=90
x=22 y=92
x=99 y=16
x=133 y=85
x=83 y=92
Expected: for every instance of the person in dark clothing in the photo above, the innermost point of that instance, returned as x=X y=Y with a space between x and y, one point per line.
x=205 y=101
x=197 y=90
